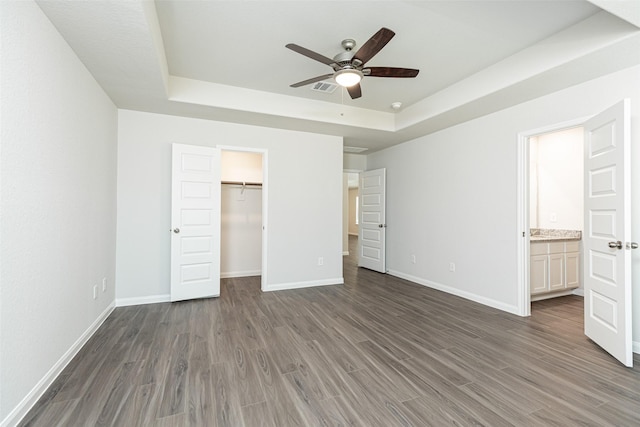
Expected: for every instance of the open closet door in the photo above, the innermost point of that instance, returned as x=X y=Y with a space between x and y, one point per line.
x=372 y=228
x=607 y=245
x=195 y=222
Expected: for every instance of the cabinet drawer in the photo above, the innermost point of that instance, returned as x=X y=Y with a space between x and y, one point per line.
x=538 y=248
x=556 y=247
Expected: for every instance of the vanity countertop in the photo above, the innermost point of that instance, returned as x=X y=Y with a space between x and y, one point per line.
x=553 y=235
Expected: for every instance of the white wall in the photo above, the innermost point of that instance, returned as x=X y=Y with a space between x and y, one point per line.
x=303 y=185
x=451 y=196
x=241 y=166
x=58 y=183
x=354 y=162
x=240 y=231
x=556 y=182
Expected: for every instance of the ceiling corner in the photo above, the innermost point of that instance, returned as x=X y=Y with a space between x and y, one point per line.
x=628 y=10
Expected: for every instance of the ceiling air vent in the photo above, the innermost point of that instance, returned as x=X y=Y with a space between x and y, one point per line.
x=324 y=87
x=348 y=149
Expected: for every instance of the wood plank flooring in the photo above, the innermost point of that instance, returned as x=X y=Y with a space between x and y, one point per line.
x=378 y=351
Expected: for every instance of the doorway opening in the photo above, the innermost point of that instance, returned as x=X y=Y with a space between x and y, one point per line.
x=243 y=203
x=606 y=241
x=551 y=212
x=353 y=183
x=556 y=213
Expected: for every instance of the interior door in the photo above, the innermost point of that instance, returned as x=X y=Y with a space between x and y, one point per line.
x=195 y=222
x=607 y=266
x=372 y=228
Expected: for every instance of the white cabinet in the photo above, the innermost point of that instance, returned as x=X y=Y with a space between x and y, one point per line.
x=554 y=266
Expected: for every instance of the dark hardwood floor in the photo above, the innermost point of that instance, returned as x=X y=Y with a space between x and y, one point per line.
x=378 y=351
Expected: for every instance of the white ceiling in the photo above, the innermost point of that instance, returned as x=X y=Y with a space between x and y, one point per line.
x=226 y=60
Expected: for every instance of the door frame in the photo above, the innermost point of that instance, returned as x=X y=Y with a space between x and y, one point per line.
x=265 y=203
x=522 y=196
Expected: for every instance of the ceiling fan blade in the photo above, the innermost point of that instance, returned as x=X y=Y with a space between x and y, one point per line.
x=355 y=91
x=373 y=45
x=310 y=54
x=312 y=80
x=390 y=72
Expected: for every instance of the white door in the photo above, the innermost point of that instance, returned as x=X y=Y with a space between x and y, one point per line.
x=195 y=222
x=607 y=269
x=372 y=228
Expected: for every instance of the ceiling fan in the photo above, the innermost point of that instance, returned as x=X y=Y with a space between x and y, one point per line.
x=349 y=68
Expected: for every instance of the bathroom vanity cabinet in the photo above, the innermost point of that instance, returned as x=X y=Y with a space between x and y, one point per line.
x=554 y=268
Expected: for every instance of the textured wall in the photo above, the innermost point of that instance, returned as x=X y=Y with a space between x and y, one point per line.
x=58 y=184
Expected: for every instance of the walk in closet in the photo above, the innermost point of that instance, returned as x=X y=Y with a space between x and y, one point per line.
x=241 y=214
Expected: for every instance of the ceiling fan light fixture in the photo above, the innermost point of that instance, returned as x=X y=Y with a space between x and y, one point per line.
x=348 y=77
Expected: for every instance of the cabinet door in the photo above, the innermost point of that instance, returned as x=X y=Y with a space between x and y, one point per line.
x=538 y=277
x=572 y=265
x=556 y=272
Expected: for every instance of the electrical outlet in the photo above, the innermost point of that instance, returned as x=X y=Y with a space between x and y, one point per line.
x=452 y=267
x=413 y=259
x=95 y=291
x=320 y=261
x=104 y=284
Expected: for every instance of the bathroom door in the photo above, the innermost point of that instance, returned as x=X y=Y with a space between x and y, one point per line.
x=607 y=236
x=195 y=222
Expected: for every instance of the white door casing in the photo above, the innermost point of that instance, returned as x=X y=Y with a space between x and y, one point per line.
x=607 y=258
x=195 y=222
x=372 y=228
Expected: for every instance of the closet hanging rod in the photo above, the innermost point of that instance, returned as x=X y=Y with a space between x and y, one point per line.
x=259 y=184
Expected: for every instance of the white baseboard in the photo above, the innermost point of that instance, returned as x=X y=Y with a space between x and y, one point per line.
x=299 y=285
x=152 y=299
x=353 y=234
x=41 y=387
x=232 y=274
x=482 y=300
x=513 y=309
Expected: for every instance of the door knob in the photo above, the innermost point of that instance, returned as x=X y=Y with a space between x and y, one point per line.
x=614 y=245
x=176 y=230
x=632 y=245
